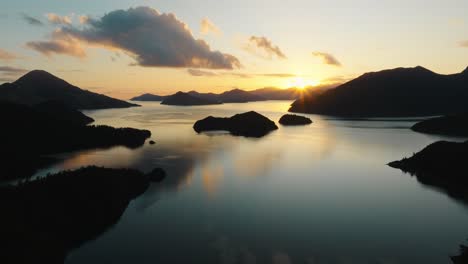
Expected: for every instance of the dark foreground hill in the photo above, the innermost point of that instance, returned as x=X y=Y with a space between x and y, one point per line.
x=40 y=86
x=44 y=219
x=452 y=125
x=399 y=92
x=250 y=124
x=30 y=134
x=185 y=99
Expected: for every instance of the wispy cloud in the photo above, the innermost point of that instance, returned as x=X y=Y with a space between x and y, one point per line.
x=7 y=56
x=464 y=44
x=152 y=38
x=9 y=74
x=207 y=27
x=263 y=47
x=327 y=58
x=31 y=20
x=58 y=20
x=200 y=73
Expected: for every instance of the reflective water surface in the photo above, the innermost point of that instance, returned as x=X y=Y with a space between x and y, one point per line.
x=312 y=194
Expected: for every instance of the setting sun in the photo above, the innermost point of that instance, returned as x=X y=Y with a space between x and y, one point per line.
x=302 y=83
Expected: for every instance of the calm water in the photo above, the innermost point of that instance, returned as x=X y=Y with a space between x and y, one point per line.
x=314 y=194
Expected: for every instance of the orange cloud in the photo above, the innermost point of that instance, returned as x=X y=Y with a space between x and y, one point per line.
x=6 y=56
x=59 y=20
x=261 y=46
x=327 y=58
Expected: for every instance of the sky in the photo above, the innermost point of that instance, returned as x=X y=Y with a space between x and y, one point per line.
x=124 y=48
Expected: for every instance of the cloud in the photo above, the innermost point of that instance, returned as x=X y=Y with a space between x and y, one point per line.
x=31 y=20
x=83 y=19
x=263 y=47
x=7 y=56
x=153 y=39
x=202 y=73
x=9 y=74
x=198 y=73
x=464 y=44
x=59 y=20
x=207 y=27
x=59 y=45
x=327 y=58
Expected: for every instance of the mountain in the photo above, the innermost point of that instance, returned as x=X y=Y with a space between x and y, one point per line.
x=398 y=92
x=239 y=96
x=273 y=93
x=39 y=86
x=208 y=96
x=30 y=134
x=148 y=98
x=452 y=125
x=185 y=99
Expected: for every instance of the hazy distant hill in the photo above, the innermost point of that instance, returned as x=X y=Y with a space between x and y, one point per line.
x=239 y=96
x=148 y=97
x=40 y=86
x=186 y=99
x=397 y=92
x=273 y=93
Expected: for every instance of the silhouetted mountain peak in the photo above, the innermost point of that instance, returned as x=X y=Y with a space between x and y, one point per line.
x=38 y=76
x=465 y=72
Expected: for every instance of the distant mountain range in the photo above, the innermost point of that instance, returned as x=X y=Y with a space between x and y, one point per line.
x=397 y=92
x=40 y=86
x=187 y=99
x=234 y=96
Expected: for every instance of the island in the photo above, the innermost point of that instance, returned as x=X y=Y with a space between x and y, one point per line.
x=250 y=124
x=185 y=99
x=31 y=135
x=451 y=125
x=400 y=92
x=40 y=86
x=147 y=97
x=294 y=120
x=441 y=164
x=44 y=219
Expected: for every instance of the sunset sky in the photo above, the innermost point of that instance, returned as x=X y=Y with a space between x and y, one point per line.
x=124 y=48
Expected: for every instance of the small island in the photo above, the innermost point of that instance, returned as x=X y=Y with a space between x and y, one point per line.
x=185 y=99
x=452 y=125
x=294 y=120
x=250 y=124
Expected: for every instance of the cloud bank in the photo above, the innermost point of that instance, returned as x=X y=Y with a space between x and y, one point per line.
x=263 y=47
x=327 y=58
x=207 y=27
x=464 y=44
x=153 y=39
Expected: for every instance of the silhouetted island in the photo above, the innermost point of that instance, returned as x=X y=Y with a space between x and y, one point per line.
x=185 y=99
x=294 y=120
x=441 y=164
x=148 y=98
x=250 y=124
x=392 y=93
x=40 y=86
x=42 y=220
x=30 y=134
x=452 y=125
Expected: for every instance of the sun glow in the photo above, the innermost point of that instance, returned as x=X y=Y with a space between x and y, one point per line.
x=302 y=83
